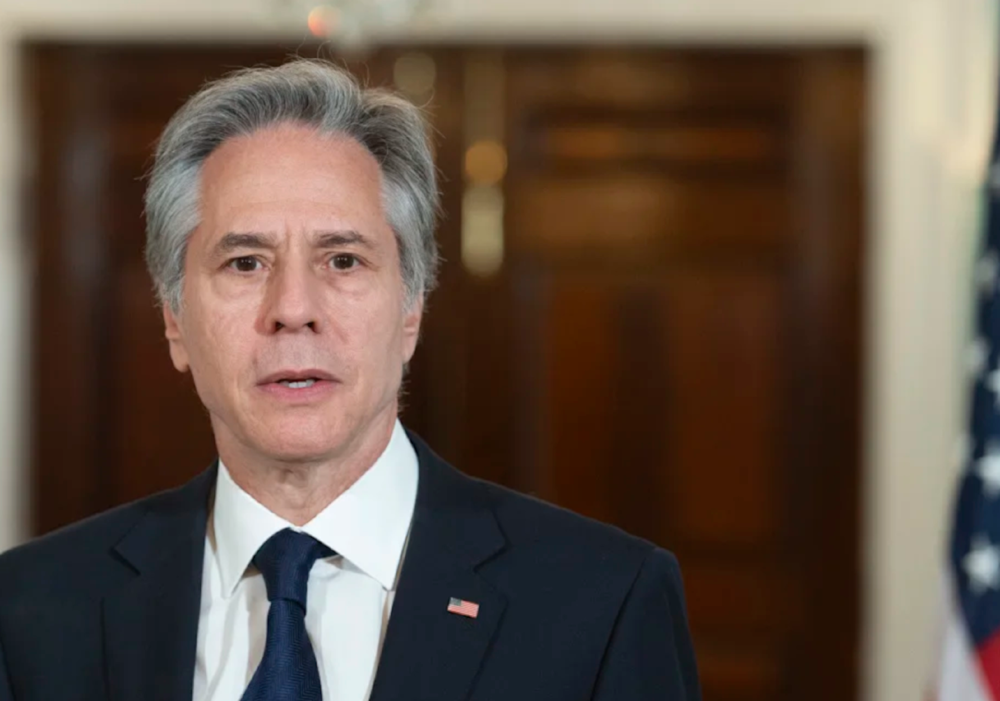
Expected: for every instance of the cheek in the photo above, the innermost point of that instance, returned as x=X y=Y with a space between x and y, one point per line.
x=222 y=341
x=375 y=336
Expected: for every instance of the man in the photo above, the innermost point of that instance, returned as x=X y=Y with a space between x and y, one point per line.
x=328 y=553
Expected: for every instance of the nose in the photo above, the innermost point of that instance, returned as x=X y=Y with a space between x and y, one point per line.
x=292 y=300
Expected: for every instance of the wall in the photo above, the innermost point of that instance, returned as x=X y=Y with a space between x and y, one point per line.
x=932 y=98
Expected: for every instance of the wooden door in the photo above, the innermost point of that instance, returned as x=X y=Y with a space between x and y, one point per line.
x=682 y=284
x=668 y=338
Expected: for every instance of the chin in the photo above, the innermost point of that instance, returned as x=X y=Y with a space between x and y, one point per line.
x=303 y=443
x=301 y=451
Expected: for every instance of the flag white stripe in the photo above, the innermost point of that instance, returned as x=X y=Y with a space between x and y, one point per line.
x=959 y=676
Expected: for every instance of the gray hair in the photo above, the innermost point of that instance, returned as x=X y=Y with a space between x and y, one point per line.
x=315 y=94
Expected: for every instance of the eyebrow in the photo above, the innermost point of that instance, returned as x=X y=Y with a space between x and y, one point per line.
x=334 y=239
x=234 y=240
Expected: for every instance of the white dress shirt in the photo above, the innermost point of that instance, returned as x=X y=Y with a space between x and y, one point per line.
x=350 y=594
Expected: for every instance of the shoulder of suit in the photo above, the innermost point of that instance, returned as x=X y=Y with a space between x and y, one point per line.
x=57 y=560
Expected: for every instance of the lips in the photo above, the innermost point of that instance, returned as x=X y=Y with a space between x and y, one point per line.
x=309 y=376
x=299 y=387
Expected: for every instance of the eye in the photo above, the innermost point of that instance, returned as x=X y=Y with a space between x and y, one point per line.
x=344 y=261
x=244 y=264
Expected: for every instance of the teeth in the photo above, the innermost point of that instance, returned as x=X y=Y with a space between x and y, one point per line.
x=298 y=384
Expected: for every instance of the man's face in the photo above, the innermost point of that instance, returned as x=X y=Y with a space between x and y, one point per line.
x=293 y=321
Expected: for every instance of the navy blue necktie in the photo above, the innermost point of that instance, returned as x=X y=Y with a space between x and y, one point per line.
x=288 y=670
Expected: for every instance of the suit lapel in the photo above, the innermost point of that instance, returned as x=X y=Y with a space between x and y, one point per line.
x=151 y=625
x=430 y=653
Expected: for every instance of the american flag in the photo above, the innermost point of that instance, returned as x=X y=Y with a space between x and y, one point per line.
x=463 y=608
x=969 y=668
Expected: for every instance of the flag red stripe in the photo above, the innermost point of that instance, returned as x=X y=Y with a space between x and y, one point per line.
x=989 y=662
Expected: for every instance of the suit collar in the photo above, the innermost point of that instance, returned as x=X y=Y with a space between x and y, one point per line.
x=429 y=652
x=151 y=625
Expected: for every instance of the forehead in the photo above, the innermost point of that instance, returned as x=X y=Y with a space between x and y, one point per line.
x=290 y=172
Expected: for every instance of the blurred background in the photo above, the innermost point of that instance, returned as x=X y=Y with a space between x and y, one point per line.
x=708 y=277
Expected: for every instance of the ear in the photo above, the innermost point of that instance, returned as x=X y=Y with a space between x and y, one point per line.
x=411 y=328
x=178 y=352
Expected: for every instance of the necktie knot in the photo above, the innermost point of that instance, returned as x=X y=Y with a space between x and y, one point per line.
x=285 y=560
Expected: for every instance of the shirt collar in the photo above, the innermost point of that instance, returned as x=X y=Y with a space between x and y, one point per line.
x=367 y=524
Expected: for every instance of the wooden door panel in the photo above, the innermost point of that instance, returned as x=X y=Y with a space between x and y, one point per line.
x=749 y=674
x=579 y=401
x=630 y=138
x=642 y=219
x=618 y=354
x=740 y=593
x=724 y=368
x=621 y=355
x=651 y=78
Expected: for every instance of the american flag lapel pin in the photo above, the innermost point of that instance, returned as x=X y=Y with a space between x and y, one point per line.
x=463 y=608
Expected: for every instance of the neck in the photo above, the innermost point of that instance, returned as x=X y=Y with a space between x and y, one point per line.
x=299 y=490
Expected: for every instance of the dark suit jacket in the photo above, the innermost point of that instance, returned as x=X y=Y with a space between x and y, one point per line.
x=570 y=609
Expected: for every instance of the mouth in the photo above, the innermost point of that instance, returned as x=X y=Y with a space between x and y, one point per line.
x=298 y=379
